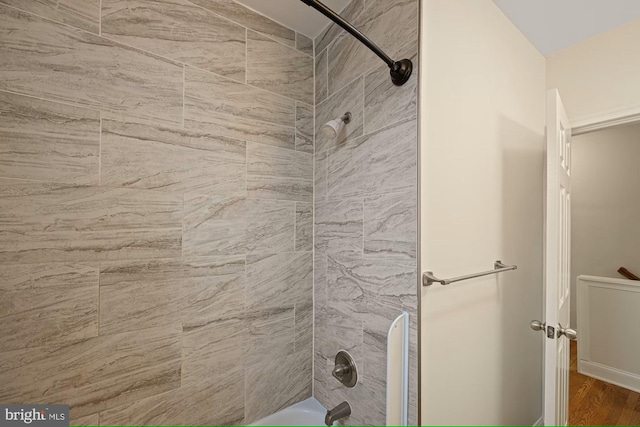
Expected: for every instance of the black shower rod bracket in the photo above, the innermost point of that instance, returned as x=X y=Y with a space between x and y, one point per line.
x=400 y=70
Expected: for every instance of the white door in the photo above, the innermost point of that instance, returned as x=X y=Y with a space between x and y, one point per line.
x=557 y=262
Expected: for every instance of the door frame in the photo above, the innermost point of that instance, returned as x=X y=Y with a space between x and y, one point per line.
x=582 y=125
x=605 y=119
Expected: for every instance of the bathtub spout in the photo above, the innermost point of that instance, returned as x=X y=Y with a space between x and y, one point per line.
x=340 y=411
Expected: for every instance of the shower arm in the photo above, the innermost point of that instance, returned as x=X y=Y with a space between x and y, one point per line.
x=400 y=70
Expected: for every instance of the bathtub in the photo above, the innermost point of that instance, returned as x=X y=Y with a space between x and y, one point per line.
x=306 y=413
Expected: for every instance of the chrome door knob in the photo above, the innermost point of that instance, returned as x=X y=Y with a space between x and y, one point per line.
x=572 y=334
x=537 y=325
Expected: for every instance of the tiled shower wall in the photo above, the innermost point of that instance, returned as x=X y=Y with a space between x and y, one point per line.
x=365 y=205
x=156 y=190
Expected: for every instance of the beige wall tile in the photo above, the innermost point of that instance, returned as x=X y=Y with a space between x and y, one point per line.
x=83 y=14
x=54 y=222
x=365 y=211
x=94 y=374
x=161 y=409
x=236 y=225
x=47 y=304
x=304 y=326
x=224 y=107
x=99 y=156
x=212 y=342
x=304 y=44
x=244 y=16
x=267 y=160
x=321 y=64
x=178 y=30
x=279 y=69
x=320 y=177
x=390 y=226
x=269 y=391
x=363 y=166
x=89 y=420
x=304 y=127
x=142 y=294
x=279 y=188
x=339 y=226
x=171 y=159
x=217 y=400
x=57 y=62
x=271 y=331
x=350 y=13
x=48 y=141
x=304 y=227
x=278 y=280
x=277 y=173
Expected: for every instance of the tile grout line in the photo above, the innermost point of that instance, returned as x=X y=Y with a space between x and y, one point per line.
x=295 y=205
x=184 y=90
x=362 y=349
x=295 y=224
x=100 y=151
x=364 y=122
x=245 y=341
x=99 y=266
x=182 y=226
x=246 y=169
x=246 y=56
x=313 y=232
x=326 y=58
x=295 y=335
x=326 y=178
x=363 y=198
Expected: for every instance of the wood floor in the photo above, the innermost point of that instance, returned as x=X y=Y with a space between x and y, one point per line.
x=594 y=402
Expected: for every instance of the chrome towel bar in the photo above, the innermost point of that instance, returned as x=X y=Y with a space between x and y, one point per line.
x=498 y=267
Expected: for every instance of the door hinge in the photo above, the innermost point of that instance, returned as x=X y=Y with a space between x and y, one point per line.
x=551 y=332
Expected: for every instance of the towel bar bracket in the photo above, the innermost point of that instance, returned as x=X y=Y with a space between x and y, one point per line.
x=429 y=279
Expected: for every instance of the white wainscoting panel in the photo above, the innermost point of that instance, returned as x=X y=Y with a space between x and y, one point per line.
x=608 y=337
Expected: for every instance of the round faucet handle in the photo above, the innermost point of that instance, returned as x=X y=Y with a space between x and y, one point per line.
x=341 y=370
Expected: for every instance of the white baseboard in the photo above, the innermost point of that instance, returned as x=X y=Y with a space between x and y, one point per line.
x=611 y=375
x=540 y=422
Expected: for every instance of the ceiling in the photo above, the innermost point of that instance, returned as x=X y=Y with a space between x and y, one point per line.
x=551 y=25
x=295 y=14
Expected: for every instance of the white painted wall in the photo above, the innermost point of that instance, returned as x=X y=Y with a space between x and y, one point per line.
x=599 y=75
x=606 y=204
x=482 y=122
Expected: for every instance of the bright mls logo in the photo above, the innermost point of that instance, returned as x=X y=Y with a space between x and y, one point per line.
x=35 y=415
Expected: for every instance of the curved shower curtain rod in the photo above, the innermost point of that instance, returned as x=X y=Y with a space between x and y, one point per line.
x=400 y=70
